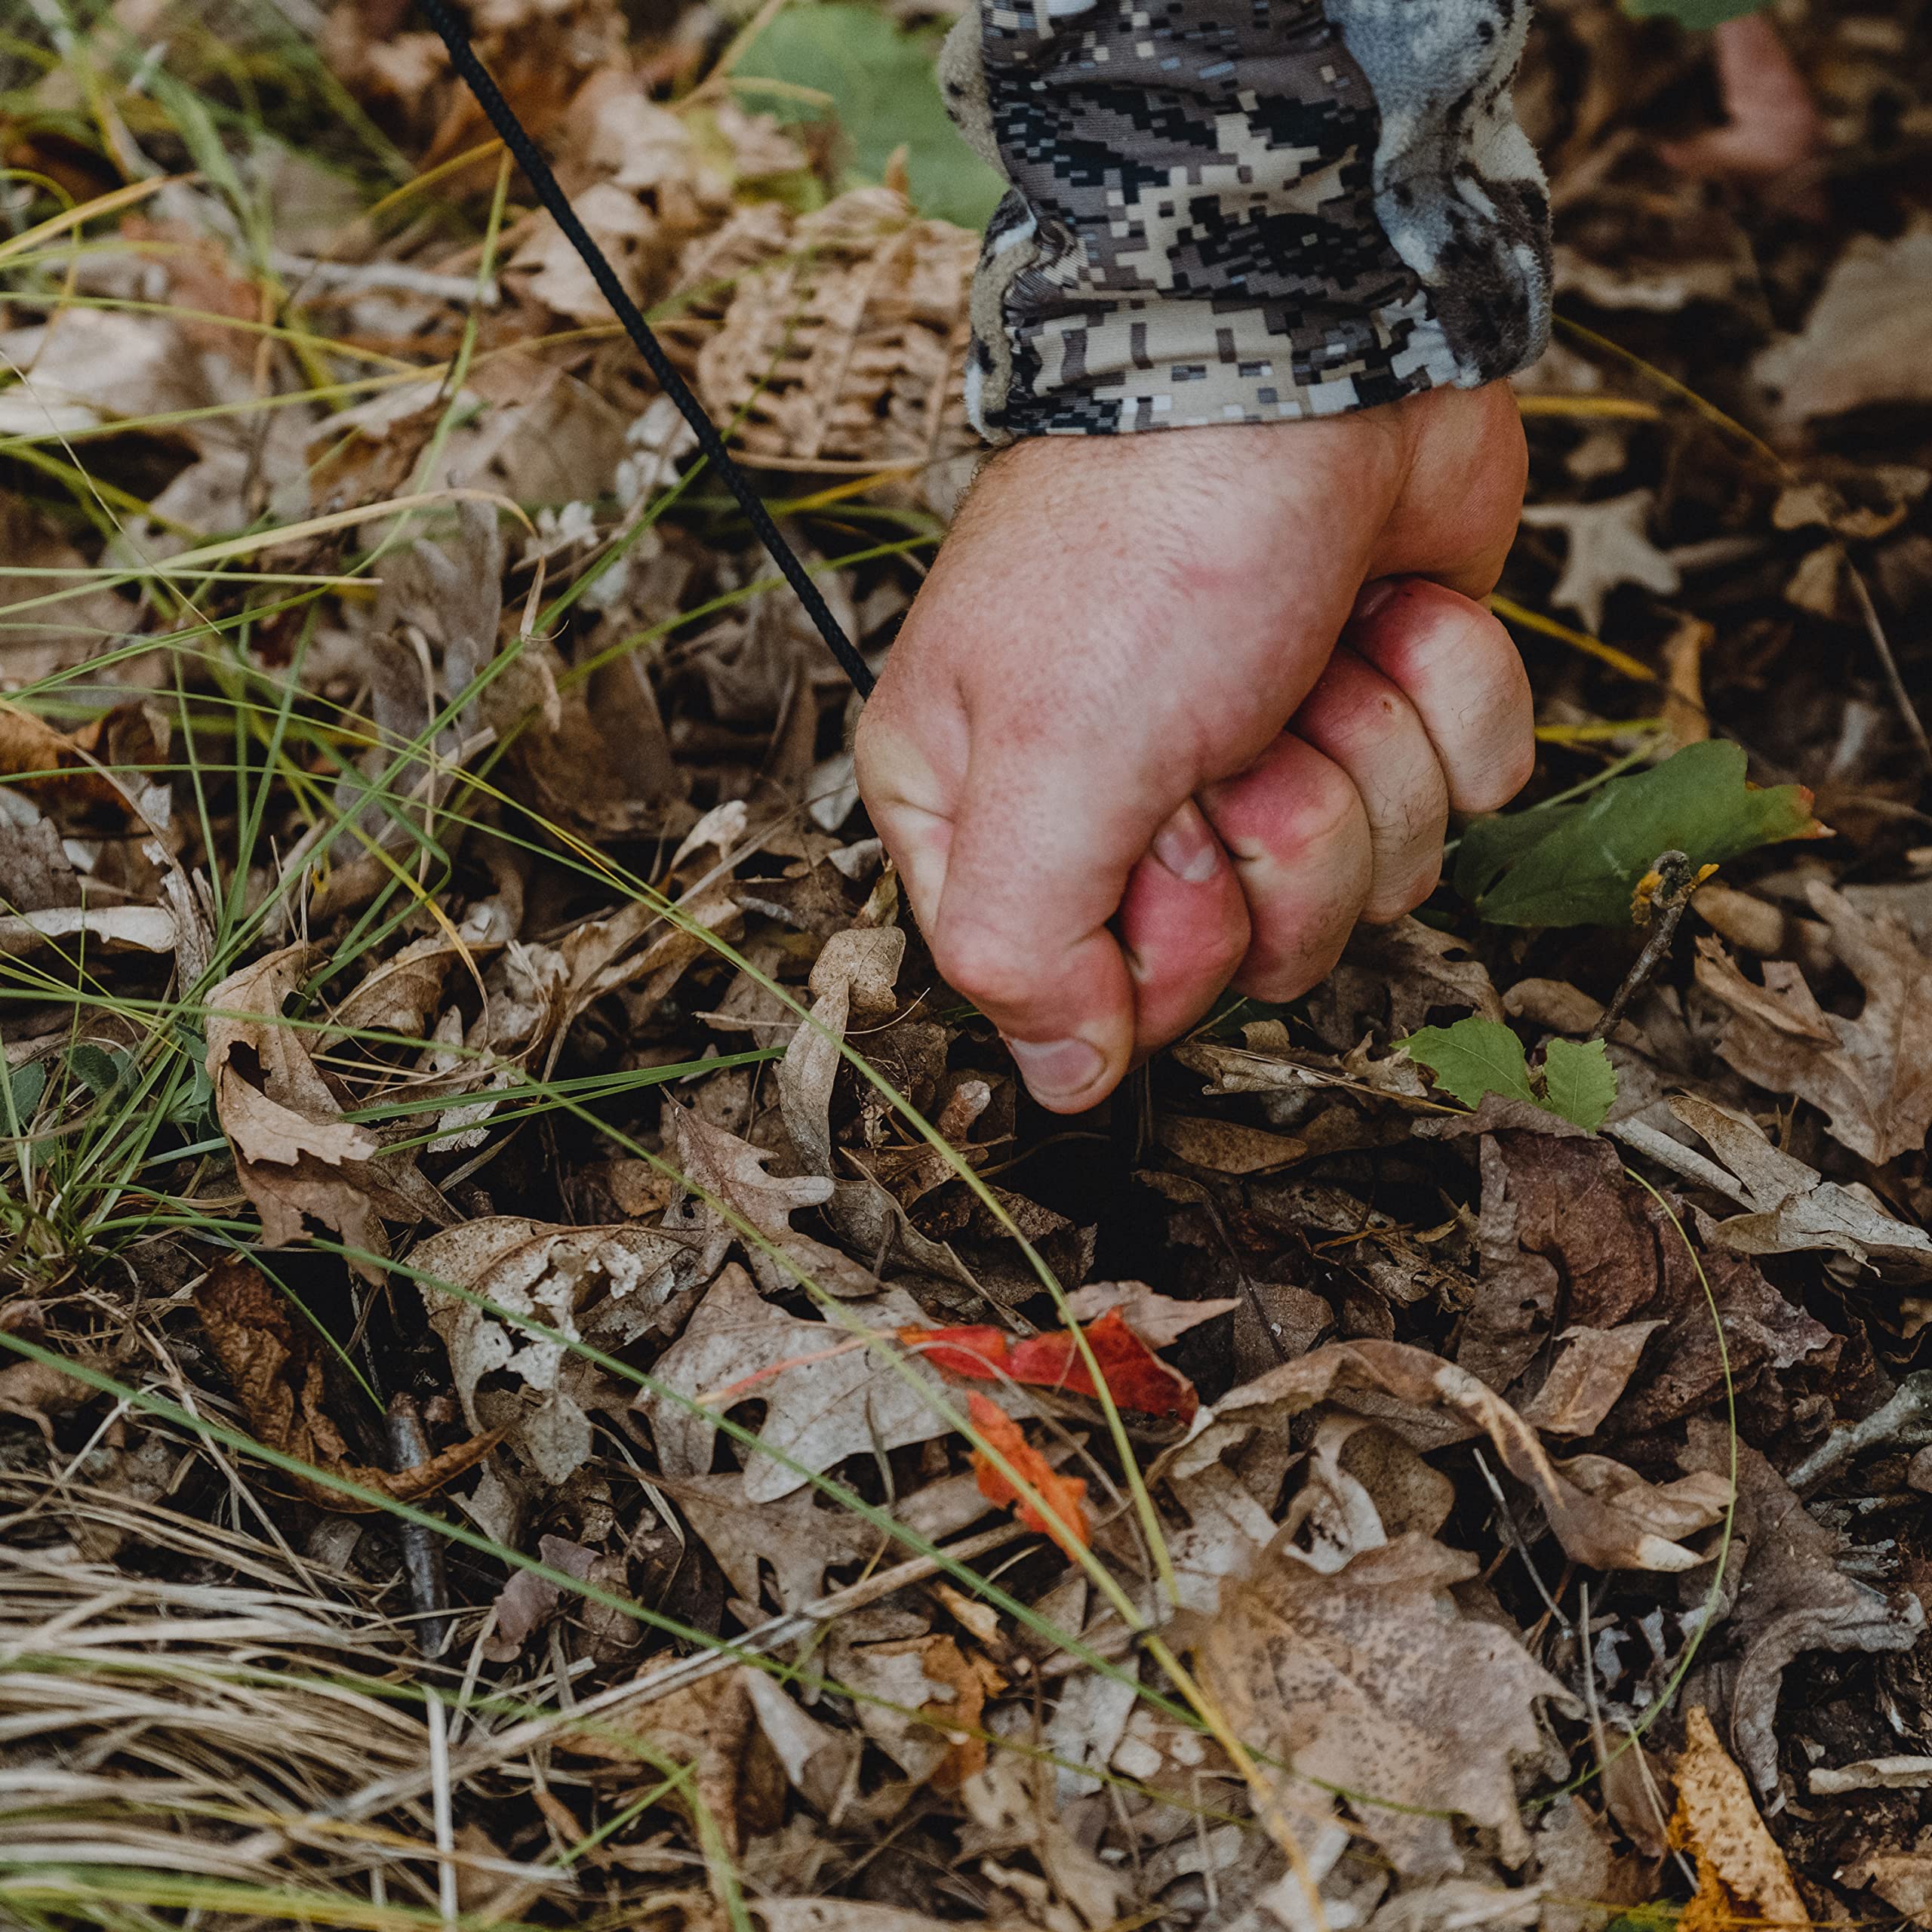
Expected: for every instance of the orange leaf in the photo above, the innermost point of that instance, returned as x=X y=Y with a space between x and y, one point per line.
x=1135 y=1377
x=1064 y=1495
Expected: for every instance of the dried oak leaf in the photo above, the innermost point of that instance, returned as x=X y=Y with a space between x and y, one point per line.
x=275 y=1365
x=1794 y=1208
x=294 y=1154
x=605 y=1285
x=1586 y=1379
x=1872 y=1076
x=797 y=1538
x=1742 y=1875
x=732 y=1171
x=825 y=1399
x=1610 y=544
x=1369 y=1678
x=1602 y=1533
x=1790 y=1597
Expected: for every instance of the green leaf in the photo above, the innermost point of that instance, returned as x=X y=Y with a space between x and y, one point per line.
x=95 y=1069
x=880 y=80
x=1578 y=865
x=1472 y=1058
x=1694 y=13
x=1579 y=1081
x=25 y=1086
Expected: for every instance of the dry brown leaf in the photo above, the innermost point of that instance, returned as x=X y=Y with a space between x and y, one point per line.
x=826 y=1396
x=1794 y=1208
x=1869 y=337
x=1587 y=1378
x=1591 y=1530
x=606 y=1286
x=108 y=928
x=294 y=1154
x=58 y=771
x=397 y=995
x=853 y=977
x=733 y=1171
x=274 y=1364
x=1227 y=1146
x=711 y=1726
x=1368 y=1679
x=799 y=1537
x=37 y=1393
x=1742 y=1878
x=1872 y=1076
x=1610 y=544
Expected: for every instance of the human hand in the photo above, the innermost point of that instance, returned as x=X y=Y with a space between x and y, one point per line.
x=1175 y=709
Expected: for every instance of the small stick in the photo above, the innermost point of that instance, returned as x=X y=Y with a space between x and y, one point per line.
x=1662 y=895
x=422 y=1548
x=1903 y=1420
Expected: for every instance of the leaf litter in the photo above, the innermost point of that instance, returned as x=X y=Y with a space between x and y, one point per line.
x=1444 y=1454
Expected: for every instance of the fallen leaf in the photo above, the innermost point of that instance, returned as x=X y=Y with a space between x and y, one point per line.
x=38 y=1392
x=108 y=928
x=529 y=1601
x=1368 y=1679
x=607 y=1286
x=1159 y=1320
x=797 y=1538
x=1587 y=1378
x=1872 y=1076
x=1742 y=1875
x=736 y=1172
x=1790 y=1596
x=854 y=975
x=1772 y=125
x=1610 y=544
x=1868 y=339
x=1062 y=1495
x=1136 y=1377
x=1794 y=1208
x=1591 y=1530
x=1227 y=1146
x=275 y=1365
x=826 y=1398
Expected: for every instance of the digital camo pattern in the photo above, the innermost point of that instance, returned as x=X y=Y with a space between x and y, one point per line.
x=1244 y=210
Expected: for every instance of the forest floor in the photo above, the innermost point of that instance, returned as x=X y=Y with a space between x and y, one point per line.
x=552 y=1377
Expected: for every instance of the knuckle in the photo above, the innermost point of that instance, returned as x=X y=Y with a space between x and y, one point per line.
x=989 y=968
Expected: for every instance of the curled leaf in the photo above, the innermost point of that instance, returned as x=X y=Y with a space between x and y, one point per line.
x=1065 y=1496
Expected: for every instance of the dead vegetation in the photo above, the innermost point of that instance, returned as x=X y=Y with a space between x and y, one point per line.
x=553 y=1377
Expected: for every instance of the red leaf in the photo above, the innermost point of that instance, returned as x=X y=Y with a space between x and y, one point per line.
x=1064 y=1495
x=978 y=1352
x=1137 y=1377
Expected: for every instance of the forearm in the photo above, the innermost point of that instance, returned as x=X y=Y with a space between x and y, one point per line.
x=1246 y=210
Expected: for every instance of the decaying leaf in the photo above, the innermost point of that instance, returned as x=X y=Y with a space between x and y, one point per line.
x=1742 y=1878
x=274 y=1364
x=1367 y=1679
x=1794 y=1208
x=1593 y=1371
x=38 y=1392
x=606 y=1286
x=1872 y=1076
x=826 y=1396
x=1591 y=1529
x=1610 y=544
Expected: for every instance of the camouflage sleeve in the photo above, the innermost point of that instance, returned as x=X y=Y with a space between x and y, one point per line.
x=1245 y=210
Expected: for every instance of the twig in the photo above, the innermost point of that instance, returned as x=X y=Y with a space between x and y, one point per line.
x=1665 y=890
x=1906 y=1419
x=422 y=1548
x=1882 y=644
x=1514 y=1537
x=1685 y=1162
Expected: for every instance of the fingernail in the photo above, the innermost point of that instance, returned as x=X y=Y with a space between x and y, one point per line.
x=1057 y=1069
x=1186 y=847
x=1372 y=596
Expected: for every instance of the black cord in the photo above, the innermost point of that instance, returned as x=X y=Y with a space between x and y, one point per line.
x=537 y=171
